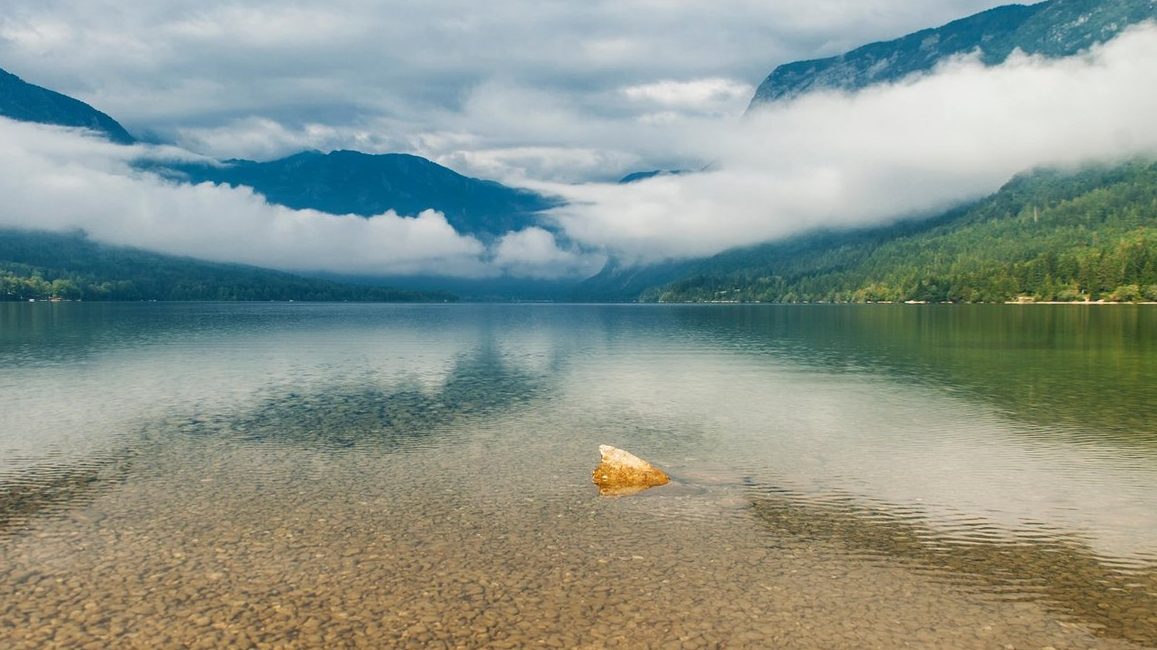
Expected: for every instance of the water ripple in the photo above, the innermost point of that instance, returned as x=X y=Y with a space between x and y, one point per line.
x=1116 y=596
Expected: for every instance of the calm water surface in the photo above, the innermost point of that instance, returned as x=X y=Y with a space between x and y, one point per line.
x=295 y=475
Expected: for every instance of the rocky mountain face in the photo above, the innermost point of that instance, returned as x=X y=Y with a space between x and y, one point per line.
x=20 y=100
x=1056 y=28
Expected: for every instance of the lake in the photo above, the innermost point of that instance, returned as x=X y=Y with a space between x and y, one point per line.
x=342 y=475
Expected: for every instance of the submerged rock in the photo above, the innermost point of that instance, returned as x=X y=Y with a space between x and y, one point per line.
x=621 y=472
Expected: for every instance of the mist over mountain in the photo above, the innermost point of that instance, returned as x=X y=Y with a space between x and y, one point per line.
x=20 y=100
x=1057 y=28
x=366 y=218
x=340 y=182
x=1050 y=235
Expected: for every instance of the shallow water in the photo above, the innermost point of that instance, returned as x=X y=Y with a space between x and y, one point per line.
x=213 y=475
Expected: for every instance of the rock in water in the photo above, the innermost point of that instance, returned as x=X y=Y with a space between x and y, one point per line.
x=622 y=472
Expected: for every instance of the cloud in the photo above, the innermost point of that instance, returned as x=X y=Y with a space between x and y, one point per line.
x=534 y=252
x=265 y=78
x=261 y=138
x=61 y=180
x=519 y=165
x=265 y=27
x=705 y=95
x=852 y=159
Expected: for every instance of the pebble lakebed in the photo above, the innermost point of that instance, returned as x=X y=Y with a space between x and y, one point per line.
x=211 y=543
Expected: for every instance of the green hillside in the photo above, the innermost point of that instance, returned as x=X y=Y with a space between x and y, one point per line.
x=42 y=266
x=1048 y=235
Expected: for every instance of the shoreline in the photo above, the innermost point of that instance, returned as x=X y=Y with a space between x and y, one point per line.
x=1077 y=302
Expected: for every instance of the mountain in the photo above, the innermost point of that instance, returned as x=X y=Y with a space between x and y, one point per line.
x=20 y=100
x=1057 y=28
x=1047 y=235
x=350 y=182
x=43 y=265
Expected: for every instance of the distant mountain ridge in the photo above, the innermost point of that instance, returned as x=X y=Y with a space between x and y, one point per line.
x=351 y=182
x=20 y=100
x=1056 y=28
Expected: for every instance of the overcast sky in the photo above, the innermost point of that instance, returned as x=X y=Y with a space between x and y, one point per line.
x=506 y=89
x=554 y=96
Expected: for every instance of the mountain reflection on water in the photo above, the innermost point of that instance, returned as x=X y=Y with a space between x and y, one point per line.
x=357 y=412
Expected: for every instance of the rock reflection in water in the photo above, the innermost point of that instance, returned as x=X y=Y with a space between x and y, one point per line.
x=1114 y=598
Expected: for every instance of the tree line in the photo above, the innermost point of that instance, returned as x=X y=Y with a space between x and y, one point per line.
x=47 y=266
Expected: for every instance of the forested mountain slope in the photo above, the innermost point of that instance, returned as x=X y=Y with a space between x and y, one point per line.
x=42 y=266
x=1048 y=235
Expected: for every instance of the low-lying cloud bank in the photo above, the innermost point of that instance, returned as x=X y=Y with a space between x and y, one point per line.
x=854 y=159
x=61 y=180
